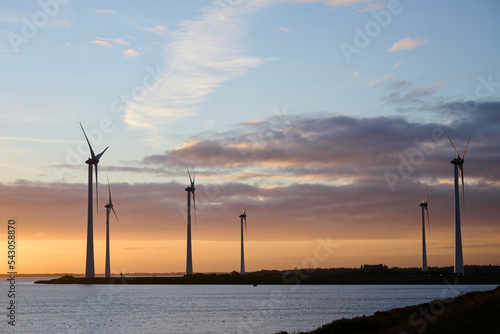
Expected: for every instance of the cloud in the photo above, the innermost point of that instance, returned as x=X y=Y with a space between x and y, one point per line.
x=109 y=42
x=397 y=64
x=372 y=6
x=323 y=174
x=36 y=140
x=200 y=57
x=334 y=3
x=103 y=43
x=356 y=74
x=158 y=29
x=106 y=11
x=131 y=53
x=382 y=79
x=330 y=147
x=282 y=29
x=406 y=43
x=405 y=92
x=63 y=22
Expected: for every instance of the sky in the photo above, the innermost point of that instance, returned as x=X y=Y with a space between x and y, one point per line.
x=327 y=118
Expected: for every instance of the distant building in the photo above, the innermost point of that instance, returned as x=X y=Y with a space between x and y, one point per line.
x=374 y=267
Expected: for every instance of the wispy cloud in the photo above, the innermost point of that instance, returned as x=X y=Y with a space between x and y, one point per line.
x=159 y=29
x=109 y=42
x=397 y=64
x=106 y=11
x=407 y=43
x=372 y=6
x=131 y=53
x=102 y=43
x=63 y=23
x=334 y=3
x=380 y=80
x=202 y=55
x=356 y=74
x=403 y=92
x=37 y=140
x=282 y=29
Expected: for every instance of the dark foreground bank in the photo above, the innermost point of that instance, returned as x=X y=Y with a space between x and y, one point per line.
x=285 y=280
x=474 y=312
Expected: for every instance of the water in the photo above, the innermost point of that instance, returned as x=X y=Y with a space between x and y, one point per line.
x=203 y=308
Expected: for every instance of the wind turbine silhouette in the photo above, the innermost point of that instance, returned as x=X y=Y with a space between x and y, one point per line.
x=458 y=164
x=190 y=190
x=92 y=161
x=424 y=208
x=243 y=217
x=109 y=208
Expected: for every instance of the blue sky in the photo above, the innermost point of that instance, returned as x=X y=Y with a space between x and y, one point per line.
x=169 y=84
x=289 y=53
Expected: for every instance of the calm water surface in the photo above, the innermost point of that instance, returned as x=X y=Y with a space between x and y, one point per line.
x=203 y=308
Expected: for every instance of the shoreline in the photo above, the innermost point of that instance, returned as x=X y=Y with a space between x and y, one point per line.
x=285 y=280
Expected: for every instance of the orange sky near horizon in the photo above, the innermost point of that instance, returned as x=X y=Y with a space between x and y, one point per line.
x=129 y=256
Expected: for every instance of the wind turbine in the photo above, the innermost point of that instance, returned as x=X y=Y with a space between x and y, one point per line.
x=109 y=208
x=424 y=208
x=92 y=161
x=243 y=217
x=458 y=163
x=190 y=190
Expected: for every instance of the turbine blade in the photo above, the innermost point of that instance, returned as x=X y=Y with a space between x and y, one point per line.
x=194 y=206
x=463 y=155
x=426 y=193
x=453 y=145
x=463 y=187
x=100 y=154
x=428 y=220
x=115 y=213
x=246 y=233
x=96 y=189
x=189 y=174
x=109 y=190
x=88 y=142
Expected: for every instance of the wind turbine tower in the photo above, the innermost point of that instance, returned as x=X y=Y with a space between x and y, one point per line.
x=243 y=217
x=424 y=252
x=109 y=208
x=458 y=164
x=92 y=161
x=190 y=190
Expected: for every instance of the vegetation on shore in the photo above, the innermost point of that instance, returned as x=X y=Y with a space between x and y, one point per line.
x=474 y=312
x=485 y=275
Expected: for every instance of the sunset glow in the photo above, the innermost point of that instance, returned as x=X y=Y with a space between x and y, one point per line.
x=328 y=128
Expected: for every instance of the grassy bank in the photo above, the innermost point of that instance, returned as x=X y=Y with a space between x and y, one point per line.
x=284 y=280
x=474 y=312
